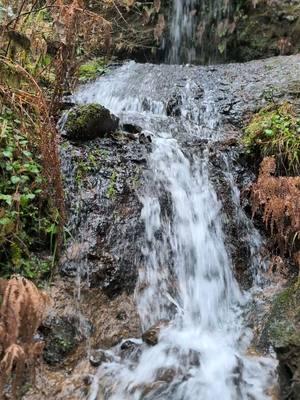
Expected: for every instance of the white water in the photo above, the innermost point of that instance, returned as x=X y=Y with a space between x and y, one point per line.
x=187 y=276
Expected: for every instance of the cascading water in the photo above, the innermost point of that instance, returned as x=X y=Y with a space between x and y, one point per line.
x=198 y=31
x=186 y=280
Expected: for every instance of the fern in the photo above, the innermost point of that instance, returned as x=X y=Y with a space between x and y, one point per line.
x=279 y=199
x=22 y=311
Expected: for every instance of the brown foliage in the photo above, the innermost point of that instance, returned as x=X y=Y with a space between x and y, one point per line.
x=22 y=311
x=279 y=198
x=73 y=23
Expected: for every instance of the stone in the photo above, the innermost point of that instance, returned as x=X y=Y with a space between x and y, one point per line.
x=61 y=335
x=99 y=357
x=131 y=128
x=89 y=122
x=130 y=350
x=151 y=336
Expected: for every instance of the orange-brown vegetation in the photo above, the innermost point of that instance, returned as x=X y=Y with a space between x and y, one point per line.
x=279 y=199
x=22 y=311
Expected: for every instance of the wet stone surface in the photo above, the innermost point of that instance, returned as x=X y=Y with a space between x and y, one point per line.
x=102 y=180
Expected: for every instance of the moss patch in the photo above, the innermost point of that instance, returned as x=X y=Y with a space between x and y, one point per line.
x=91 y=69
x=275 y=131
x=284 y=322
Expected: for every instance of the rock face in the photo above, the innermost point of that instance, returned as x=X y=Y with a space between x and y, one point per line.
x=283 y=330
x=264 y=30
x=89 y=122
x=103 y=178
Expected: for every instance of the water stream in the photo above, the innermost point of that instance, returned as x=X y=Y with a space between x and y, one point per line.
x=187 y=276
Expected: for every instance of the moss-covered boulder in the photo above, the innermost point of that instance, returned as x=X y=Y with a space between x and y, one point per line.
x=89 y=122
x=284 y=334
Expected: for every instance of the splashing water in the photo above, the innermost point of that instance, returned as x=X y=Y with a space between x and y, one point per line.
x=187 y=277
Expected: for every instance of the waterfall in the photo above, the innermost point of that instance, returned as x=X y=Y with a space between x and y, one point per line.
x=198 y=31
x=187 y=278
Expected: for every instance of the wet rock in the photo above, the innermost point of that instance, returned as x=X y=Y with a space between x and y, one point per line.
x=102 y=177
x=145 y=138
x=88 y=380
x=173 y=106
x=131 y=128
x=166 y=374
x=130 y=350
x=89 y=122
x=283 y=331
x=62 y=336
x=151 y=336
x=99 y=357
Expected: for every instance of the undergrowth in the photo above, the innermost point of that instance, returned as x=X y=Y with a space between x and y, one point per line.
x=28 y=221
x=279 y=198
x=91 y=69
x=275 y=131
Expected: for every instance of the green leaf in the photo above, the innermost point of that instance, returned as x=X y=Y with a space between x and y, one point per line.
x=7 y=153
x=269 y=132
x=5 y=221
x=15 y=179
x=7 y=198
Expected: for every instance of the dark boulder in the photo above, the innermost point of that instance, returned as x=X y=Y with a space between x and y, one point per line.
x=89 y=122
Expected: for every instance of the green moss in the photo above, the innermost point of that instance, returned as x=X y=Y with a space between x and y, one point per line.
x=79 y=120
x=275 y=131
x=284 y=323
x=92 y=69
x=89 y=122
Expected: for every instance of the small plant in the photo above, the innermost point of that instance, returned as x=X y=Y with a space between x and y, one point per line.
x=91 y=69
x=112 y=191
x=275 y=131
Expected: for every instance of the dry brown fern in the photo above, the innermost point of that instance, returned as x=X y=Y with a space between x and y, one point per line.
x=279 y=199
x=22 y=311
x=75 y=26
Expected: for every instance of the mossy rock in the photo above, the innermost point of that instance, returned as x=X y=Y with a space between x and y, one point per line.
x=284 y=323
x=89 y=122
x=283 y=330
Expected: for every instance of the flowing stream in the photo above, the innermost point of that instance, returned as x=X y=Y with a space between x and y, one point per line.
x=187 y=276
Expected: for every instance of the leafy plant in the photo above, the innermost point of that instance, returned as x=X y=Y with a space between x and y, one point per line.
x=27 y=220
x=275 y=131
x=112 y=191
